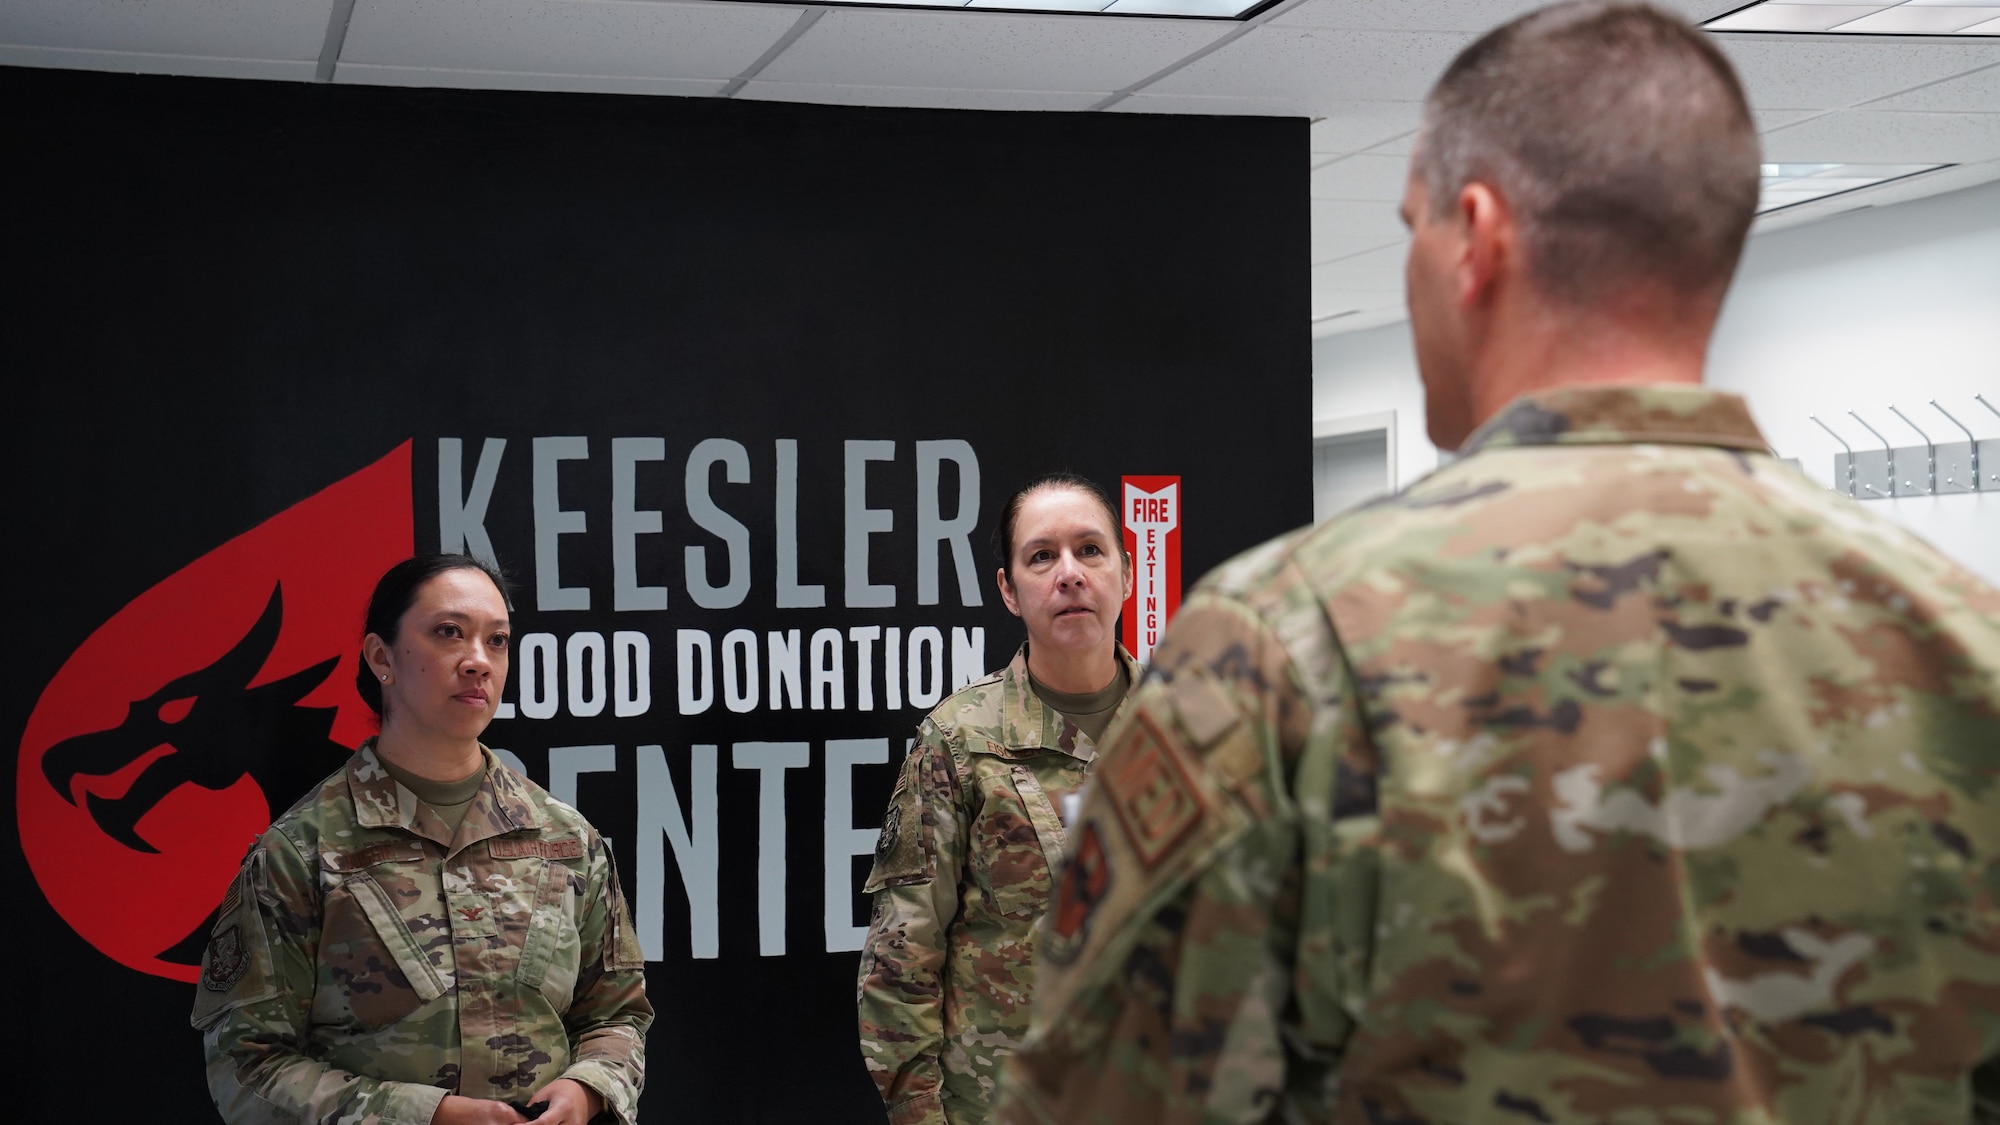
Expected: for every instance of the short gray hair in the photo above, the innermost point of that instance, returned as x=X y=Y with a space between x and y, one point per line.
x=1618 y=135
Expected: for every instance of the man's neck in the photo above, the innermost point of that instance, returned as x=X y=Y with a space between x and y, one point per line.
x=1534 y=353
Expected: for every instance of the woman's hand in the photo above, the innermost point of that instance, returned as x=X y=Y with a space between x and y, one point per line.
x=570 y=1103
x=454 y=1110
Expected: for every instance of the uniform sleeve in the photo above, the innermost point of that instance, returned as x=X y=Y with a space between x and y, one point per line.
x=1178 y=962
x=609 y=1013
x=252 y=1005
x=919 y=861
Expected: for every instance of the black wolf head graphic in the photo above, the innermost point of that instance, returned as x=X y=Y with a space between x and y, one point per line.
x=216 y=728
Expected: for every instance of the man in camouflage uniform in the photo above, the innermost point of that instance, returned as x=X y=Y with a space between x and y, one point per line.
x=367 y=961
x=964 y=868
x=1613 y=773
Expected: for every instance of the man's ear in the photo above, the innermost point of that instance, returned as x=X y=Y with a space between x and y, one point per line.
x=1489 y=247
x=1006 y=589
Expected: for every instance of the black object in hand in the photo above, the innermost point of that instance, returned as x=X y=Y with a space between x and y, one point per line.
x=529 y=1111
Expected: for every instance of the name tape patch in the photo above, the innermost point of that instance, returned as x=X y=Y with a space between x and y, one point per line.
x=571 y=848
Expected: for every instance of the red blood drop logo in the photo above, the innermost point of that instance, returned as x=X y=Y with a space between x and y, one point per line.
x=145 y=767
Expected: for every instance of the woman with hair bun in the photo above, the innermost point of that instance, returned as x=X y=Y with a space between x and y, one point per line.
x=428 y=938
x=974 y=830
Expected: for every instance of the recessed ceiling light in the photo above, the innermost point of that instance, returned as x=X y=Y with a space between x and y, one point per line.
x=1155 y=9
x=1788 y=185
x=1977 y=18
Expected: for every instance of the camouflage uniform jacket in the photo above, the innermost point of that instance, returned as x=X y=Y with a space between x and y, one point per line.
x=1613 y=773
x=364 y=965
x=963 y=868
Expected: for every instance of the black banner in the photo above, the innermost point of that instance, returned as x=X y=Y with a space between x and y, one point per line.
x=734 y=391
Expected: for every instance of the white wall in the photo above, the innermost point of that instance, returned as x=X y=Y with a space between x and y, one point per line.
x=1887 y=305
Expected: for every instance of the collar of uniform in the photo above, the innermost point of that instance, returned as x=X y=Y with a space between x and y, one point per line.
x=380 y=801
x=1670 y=413
x=1026 y=723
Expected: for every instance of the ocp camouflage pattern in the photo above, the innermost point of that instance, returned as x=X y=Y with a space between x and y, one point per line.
x=367 y=963
x=964 y=867
x=1615 y=773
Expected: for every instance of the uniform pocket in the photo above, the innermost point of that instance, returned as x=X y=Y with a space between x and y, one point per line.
x=374 y=971
x=551 y=955
x=1019 y=839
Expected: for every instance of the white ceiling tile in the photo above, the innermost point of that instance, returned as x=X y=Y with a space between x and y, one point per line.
x=1359 y=218
x=1978 y=92
x=1335 y=247
x=1871 y=137
x=1810 y=16
x=616 y=38
x=988 y=51
x=1365 y=177
x=1343 y=302
x=1318 y=66
x=215 y=29
x=1769 y=119
x=134 y=62
x=1353 y=126
x=1913 y=19
x=1223 y=107
x=1698 y=12
x=1377 y=269
x=1834 y=74
x=369 y=74
x=1475 y=16
x=1358 y=321
x=918 y=97
x=1407 y=15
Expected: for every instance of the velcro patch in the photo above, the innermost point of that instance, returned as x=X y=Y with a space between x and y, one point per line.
x=1157 y=803
x=526 y=847
x=1085 y=882
x=392 y=852
x=226 y=960
x=900 y=855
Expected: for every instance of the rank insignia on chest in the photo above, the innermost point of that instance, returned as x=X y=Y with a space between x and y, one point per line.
x=1157 y=803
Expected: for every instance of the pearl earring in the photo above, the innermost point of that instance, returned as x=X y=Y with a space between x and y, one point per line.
x=385 y=678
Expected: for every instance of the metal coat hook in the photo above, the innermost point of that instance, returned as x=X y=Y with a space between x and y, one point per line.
x=1930 y=453
x=1970 y=439
x=1885 y=445
x=1981 y=400
x=1843 y=445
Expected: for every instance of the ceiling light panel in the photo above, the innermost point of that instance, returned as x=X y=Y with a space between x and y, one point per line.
x=1956 y=18
x=1788 y=185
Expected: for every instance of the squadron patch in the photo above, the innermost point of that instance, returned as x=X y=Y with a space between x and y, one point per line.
x=226 y=961
x=892 y=830
x=1086 y=880
x=1149 y=788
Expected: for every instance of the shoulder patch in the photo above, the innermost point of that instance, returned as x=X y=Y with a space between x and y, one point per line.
x=900 y=855
x=226 y=960
x=621 y=942
x=1157 y=802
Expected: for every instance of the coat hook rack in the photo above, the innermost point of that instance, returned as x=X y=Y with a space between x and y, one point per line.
x=1890 y=449
x=1848 y=476
x=1950 y=467
x=1930 y=461
x=1971 y=483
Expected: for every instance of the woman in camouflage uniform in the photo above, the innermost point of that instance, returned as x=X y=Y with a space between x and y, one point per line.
x=973 y=833
x=428 y=938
